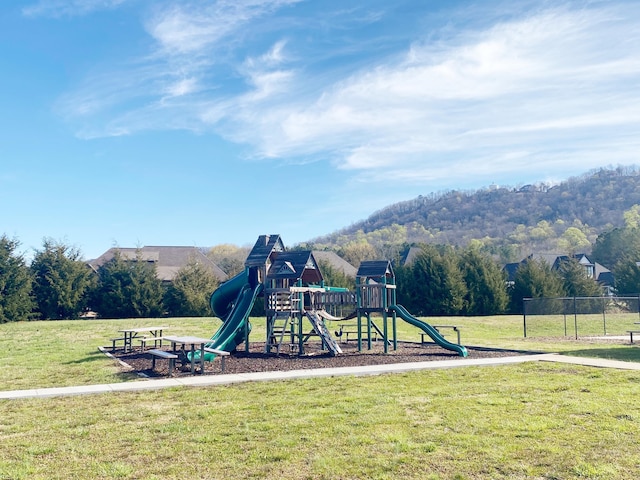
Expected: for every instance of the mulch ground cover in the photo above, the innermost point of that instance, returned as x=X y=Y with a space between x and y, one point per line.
x=256 y=360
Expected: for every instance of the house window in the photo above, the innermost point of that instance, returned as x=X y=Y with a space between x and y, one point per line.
x=590 y=271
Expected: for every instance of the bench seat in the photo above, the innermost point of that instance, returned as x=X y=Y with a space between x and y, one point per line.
x=221 y=353
x=351 y=329
x=114 y=341
x=163 y=354
x=145 y=340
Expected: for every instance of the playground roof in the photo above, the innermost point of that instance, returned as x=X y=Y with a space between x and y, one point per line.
x=262 y=250
x=375 y=269
x=296 y=265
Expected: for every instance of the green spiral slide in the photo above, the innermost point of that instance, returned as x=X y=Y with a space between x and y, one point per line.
x=429 y=330
x=232 y=302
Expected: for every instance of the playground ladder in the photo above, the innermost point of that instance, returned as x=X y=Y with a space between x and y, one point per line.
x=295 y=302
x=280 y=326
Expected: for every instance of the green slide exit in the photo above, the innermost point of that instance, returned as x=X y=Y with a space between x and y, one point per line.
x=429 y=330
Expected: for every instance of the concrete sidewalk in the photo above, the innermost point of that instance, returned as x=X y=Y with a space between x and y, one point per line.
x=212 y=380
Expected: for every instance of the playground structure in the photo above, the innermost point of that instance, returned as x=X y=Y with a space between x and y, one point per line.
x=376 y=294
x=297 y=303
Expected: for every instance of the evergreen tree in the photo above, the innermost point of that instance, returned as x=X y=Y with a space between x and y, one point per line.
x=436 y=285
x=627 y=274
x=16 y=303
x=334 y=277
x=61 y=281
x=575 y=281
x=485 y=282
x=127 y=289
x=534 y=279
x=189 y=293
x=616 y=244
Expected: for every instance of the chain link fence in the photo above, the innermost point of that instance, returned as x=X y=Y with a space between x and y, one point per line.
x=580 y=316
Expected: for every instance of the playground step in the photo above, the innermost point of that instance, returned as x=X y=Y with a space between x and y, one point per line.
x=280 y=327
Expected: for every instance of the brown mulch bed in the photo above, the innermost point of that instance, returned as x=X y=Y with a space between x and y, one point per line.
x=256 y=360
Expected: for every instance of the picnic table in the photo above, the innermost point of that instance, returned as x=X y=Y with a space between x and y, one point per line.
x=191 y=342
x=129 y=334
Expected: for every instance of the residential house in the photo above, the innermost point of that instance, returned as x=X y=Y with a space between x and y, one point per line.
x=594 y=270
x=168 y=260
x=337 y=262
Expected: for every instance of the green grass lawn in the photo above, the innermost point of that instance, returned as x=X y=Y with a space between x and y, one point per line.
x=65 y=353
x=522 y=421
x=525 y=421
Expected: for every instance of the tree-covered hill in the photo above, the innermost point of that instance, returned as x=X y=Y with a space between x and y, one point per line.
x=507 y=222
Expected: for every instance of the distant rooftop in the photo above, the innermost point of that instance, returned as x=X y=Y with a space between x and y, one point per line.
x=168 y=260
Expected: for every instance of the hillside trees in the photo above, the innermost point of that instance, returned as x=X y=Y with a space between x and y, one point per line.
x=566 y=217
x=188 y=295
x=357 y=251
x=573 y=240
x=230 y=258
x=16 y=303
x=61 y=281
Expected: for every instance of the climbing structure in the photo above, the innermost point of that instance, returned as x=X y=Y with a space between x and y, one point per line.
x=296 y=302
x=295 y=297
x=376 y=294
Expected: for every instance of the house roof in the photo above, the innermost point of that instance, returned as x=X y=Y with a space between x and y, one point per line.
x=601 y=274
x=411 y=255
x=337 y=262
x=168 y=260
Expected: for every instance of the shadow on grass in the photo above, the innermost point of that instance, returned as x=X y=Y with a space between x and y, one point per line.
x=627 y=354
x=92 y=357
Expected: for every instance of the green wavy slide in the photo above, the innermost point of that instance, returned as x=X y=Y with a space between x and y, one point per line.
x=429 y=330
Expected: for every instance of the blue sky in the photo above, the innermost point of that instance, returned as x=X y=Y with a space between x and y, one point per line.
x=150 y=122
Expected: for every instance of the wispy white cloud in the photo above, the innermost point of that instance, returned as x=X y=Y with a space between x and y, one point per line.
x=63 y=8
x=190 y=39
x=544 y=86
x=192 y=27
x=551 y=77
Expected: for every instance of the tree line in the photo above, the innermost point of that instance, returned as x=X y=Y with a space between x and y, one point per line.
x=444 y=280
x=58 y=285
x=441 y=279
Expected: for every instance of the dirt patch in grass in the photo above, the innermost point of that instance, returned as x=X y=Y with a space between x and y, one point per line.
x=256 y=360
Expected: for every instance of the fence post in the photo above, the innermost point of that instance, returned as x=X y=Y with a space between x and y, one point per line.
x=524 y=316
x=604 y=315
x=575 y=316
